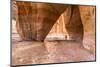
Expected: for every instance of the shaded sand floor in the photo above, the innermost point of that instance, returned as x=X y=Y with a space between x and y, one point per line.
x=27 y=52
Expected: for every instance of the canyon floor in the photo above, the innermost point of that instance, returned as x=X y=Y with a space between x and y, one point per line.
x=56 y=51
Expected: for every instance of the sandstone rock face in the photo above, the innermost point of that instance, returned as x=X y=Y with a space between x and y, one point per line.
x=14 y=9
x=36 y=20
x=73 y=23
x=88 y=16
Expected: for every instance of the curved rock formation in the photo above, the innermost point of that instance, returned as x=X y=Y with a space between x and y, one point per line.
x=36 y=19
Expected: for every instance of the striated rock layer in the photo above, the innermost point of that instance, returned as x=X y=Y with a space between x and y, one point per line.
x=35 y=20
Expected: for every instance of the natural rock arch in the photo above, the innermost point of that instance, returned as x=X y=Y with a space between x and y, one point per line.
x=35 y=20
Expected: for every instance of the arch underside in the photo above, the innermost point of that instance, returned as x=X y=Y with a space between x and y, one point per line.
x=35 y=20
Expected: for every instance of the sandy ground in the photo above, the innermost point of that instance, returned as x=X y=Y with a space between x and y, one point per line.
x=57 y=51
x=49 y=52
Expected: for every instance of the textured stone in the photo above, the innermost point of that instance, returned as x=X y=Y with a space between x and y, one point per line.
x=73 y=23
x=36 y=20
